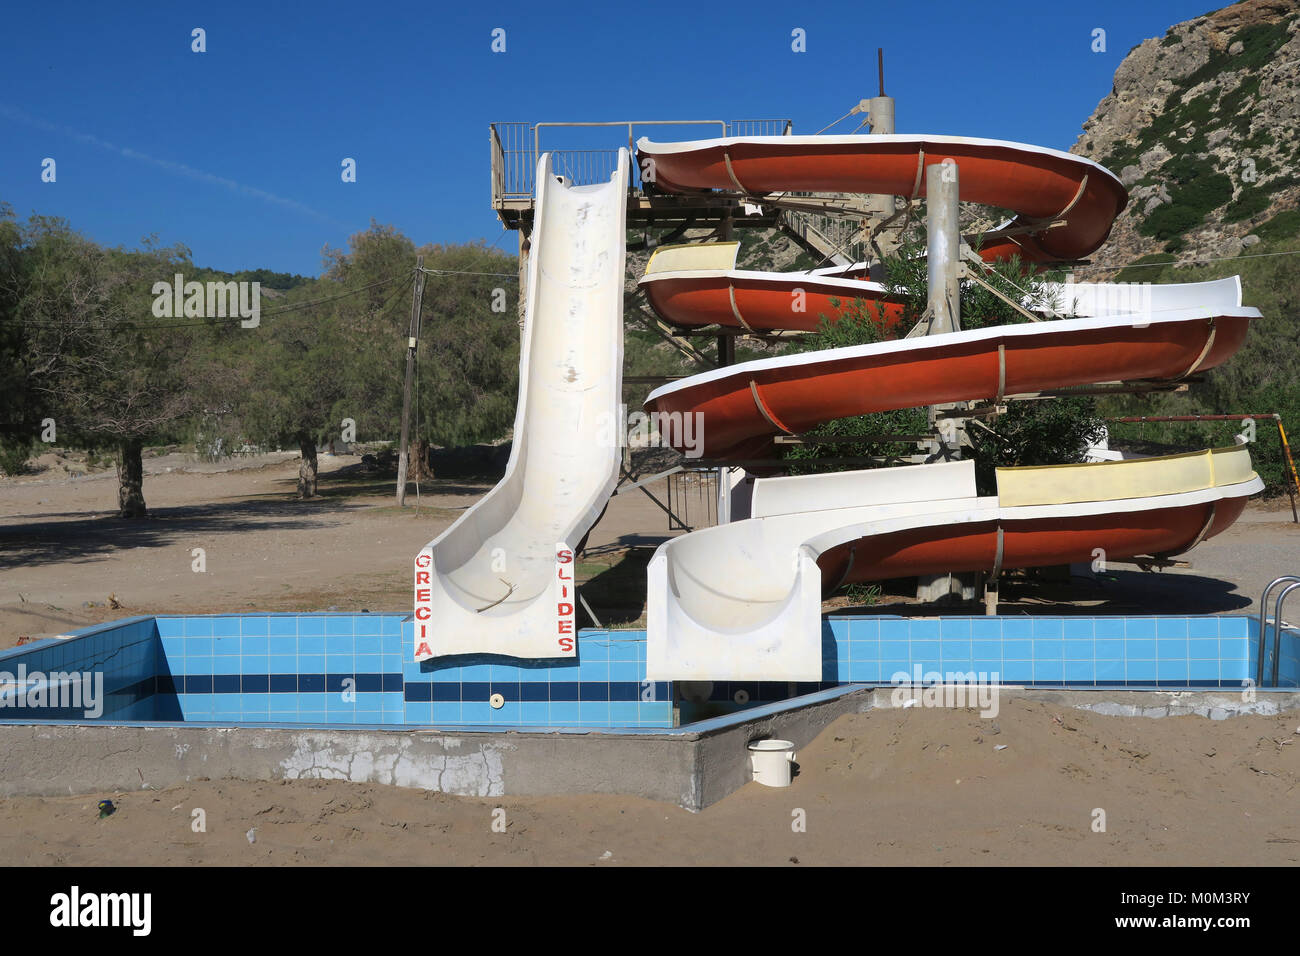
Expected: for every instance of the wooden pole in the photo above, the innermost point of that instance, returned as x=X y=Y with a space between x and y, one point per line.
x=417 y=298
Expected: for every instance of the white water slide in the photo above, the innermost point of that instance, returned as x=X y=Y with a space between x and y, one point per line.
x=500 y=580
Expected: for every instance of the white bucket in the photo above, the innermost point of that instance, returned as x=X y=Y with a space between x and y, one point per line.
x=771 y=760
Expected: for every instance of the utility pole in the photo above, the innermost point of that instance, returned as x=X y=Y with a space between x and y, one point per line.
x=417 y=297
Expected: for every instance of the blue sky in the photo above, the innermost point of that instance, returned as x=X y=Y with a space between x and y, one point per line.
x=236 y=152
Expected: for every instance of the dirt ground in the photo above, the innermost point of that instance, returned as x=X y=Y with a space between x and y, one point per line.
x=900 y=787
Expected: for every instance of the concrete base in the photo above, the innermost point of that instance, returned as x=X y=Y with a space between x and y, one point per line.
x=692 y=768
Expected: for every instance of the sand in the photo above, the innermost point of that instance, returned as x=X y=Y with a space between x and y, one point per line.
x=899 y=787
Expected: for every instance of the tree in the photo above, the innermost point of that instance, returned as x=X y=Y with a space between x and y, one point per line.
x=108 y=370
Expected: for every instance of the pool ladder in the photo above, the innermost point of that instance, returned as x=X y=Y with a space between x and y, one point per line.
x=1292 y=582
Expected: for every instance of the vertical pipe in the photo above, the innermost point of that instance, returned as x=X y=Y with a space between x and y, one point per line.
x=943 y=241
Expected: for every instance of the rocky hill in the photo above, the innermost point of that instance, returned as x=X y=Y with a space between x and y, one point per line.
x=1203 y=126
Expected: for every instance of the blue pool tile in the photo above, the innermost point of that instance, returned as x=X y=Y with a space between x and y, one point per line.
x=1108 y=627
x=534 y=713
x=891 y=650
x=198 y=647
x=172 y=647
x=564 y=713
x=1238 y=648
x=311 y=645
x=282 y=664
x=1049 y=671
x=507 y=713
x=1016 y=628
x=864 y=671
x=441 y=691
x=1171 y=670
x=986 y=650
x=988 y=667
x=312 y=717
x=986 y=628
x=1140 y=650
x=1079 y=671
x=623 y=650
x=198 y=627
x=1171 y=627
x=475 y=712
x=339 y=644
x=925 y=650
x=1048 y=627
x=1203 y=670
x=282 y=645
x=1171 y=649
x=1017 y=650
x=1109 y=649
x=1140 y=628
x=339 y=625
x=1048 y=649
x=1078 y=629
x=957 y=628
x=1079 y=650
x=198 y=665
x=1236 y=625
x=170 y=626
x=956 y=647
x=896 y=671
x=226 y=625
x=253 y=626
x=1202 y=627
x=254 y=645
x=593 y=712
x=892 y=629
x=923 y=629
x=864 y=630
x=282 y=625
x=1110 y=671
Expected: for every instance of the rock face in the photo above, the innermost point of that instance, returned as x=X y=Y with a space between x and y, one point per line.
x=1203 y=126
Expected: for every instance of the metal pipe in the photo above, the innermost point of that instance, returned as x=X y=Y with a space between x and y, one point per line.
x=1263 y=623
x=1277 y=629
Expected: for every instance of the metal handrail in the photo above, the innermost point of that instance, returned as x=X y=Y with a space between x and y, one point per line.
x=537 y=129
x=1277 y=629
x=1292 y=579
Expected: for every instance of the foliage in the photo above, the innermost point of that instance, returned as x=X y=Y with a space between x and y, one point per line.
x=1050 y=431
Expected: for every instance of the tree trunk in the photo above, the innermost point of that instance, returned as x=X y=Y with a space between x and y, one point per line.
x=417 y=468
x=307 y=470
x=130 y=480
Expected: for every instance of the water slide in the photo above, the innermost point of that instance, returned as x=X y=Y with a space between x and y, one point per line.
x=500 y=579
x=742 y=601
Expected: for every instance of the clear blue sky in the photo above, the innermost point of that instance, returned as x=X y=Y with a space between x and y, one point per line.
x=236 y=152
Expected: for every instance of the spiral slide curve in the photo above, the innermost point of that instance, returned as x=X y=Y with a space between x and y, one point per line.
x=742 y=601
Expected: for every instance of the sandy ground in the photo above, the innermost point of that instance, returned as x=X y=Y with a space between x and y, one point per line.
x=904 y=787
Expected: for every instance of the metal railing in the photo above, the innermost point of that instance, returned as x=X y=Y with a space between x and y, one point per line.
x=1292 y=583
x=515 y=148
